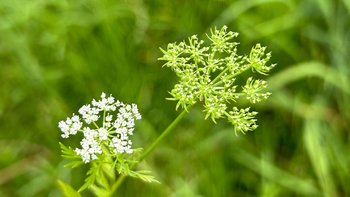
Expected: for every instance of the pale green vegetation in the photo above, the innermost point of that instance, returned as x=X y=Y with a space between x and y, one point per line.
x=57 y=55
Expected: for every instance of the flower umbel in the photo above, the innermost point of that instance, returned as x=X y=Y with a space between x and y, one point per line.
x=105 y=126
x=208 y=74
x=111 y=136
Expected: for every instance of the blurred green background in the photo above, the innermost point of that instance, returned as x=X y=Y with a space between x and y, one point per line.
x=57 y=55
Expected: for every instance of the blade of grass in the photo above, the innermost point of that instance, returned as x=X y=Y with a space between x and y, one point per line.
x=275 y=174
x=316 y=146
x=309 y=69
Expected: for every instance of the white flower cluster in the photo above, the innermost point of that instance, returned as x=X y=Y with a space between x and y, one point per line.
x=112 y=134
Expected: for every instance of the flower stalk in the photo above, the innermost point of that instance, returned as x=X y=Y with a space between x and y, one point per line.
x=172 y=125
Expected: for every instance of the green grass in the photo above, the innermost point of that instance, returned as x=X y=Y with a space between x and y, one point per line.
x=57 y=55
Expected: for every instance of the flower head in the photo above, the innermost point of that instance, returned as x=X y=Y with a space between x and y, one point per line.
x=111 y=134
x=70 y=126
x=208 y=74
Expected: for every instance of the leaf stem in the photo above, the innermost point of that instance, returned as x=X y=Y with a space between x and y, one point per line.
x=172 y=125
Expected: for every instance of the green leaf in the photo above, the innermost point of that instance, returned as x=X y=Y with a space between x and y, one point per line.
x=107 y=170
x=67 y=190
x=144 y=175
x=90 y=179
x=68 y=152
x=74 y=164
x=99 y=191
x=99 y=175
x=122 y=167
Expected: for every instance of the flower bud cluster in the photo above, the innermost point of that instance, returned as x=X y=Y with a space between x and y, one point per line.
x=117 y=124
x=208 y=74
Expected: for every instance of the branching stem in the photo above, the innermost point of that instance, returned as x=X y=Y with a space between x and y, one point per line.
x=121 y=178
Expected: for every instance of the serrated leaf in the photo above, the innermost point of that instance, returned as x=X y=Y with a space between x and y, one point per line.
x=122 y=168
x=97 y=176
x=67 y=190
x=101 y=192
x=91 y=176
x=144 y=175
x=74 y=164
x=108 y=171
x=102 y=179
x=89 y=180
x=68 y=152
x=84 y=186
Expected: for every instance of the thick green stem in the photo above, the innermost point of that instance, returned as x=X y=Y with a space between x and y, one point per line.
x=121 y=178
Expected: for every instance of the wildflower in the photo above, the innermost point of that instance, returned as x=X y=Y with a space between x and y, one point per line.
x=208 y=74
x=70 y=126
x=112 y=136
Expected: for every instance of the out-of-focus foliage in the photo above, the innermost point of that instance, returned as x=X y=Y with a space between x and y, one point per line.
x=57 y=55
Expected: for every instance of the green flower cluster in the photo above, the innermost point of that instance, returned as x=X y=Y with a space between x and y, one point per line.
x=208 y=74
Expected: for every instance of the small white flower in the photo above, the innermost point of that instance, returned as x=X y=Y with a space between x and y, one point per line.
x=102 y=134
x=109 y=118
x=108 y=121
x=90 y=114
x=70 y=126
x=121 y=146
x=113 y=134
x=90 y=148
x=89 y=133
x=105 y=104
x=135 y=111
x=84 y=154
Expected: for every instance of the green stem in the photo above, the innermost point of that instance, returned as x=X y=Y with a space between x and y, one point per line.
x=116 y=185
x=104 y=118
x=165 y=133
x=95 y=125
x=231 y=76
x=218 y=77
x=172 y=125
